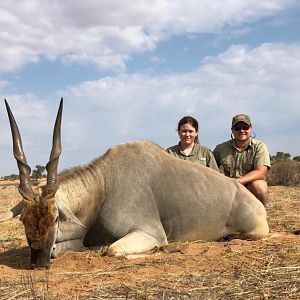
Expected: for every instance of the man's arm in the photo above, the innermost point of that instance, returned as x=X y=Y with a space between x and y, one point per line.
x=257 y=174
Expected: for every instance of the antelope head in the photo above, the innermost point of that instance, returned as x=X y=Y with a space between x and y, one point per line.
x=40 y=212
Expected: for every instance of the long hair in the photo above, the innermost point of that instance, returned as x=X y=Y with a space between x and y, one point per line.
x=189 y=120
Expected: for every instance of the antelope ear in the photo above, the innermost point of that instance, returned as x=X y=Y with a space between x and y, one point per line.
x=66 y=214
x=14 y=212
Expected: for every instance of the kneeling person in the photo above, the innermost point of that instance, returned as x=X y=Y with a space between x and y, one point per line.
x=245 y=158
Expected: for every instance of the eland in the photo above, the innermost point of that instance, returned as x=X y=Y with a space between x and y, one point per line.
x=134 y=198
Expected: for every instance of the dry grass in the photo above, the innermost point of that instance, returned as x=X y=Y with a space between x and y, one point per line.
x=266 y=269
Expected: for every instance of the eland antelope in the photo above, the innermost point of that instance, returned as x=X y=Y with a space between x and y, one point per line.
x=133 y=198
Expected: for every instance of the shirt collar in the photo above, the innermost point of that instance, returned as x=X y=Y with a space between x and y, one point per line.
x=192 y=153
x=250 y=143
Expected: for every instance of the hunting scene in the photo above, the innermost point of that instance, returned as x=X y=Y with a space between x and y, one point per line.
x=150 y=150
x=127 y=228
x=233 y=269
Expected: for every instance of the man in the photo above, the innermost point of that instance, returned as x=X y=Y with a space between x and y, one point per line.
x=245 y=158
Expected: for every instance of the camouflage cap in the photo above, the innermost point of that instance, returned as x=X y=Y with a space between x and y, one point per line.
x=241 y=118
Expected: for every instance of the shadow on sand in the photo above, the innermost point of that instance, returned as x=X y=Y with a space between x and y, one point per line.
x=18 y=258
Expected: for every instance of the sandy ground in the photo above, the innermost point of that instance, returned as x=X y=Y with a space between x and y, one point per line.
x=236 y=269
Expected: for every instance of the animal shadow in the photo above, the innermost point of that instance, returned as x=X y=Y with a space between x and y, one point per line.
x=16 y=258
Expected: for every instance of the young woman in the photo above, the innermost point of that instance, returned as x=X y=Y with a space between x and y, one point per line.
x=188 y=148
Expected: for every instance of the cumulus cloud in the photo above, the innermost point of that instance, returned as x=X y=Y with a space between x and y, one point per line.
x=3 y=84
x=261 y=81
x=99 y=114
x=107 y=33
x=241 y=79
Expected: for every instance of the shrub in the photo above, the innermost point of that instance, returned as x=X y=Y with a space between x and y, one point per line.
x=285 y=172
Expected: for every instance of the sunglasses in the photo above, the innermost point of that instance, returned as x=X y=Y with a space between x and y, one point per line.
x=241 y=127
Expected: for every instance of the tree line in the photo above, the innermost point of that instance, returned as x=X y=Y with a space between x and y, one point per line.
x=283 y=156
x=37 y=173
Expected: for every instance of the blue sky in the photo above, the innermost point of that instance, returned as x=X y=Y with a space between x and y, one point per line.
x=129 y=70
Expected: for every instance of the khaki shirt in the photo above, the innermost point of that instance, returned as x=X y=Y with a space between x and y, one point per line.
x=199 y=154
x=235 y=163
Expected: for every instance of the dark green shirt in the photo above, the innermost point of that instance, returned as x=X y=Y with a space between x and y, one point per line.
x=235 y=163
x=199 y=154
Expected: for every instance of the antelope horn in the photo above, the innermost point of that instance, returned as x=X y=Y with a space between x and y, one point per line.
x=25 y=187
x=51 y=167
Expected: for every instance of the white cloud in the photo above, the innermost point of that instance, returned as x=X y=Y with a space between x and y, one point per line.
x=157 y=59
x=106 y=33
x=254 y=81
x=3 y=84
x=261 y=81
